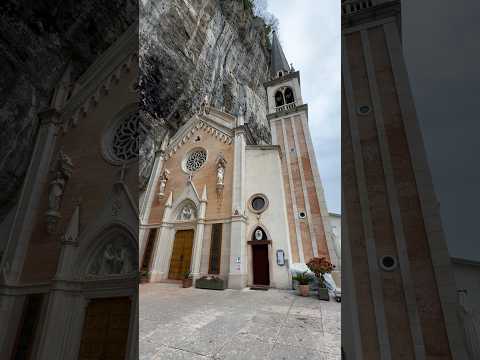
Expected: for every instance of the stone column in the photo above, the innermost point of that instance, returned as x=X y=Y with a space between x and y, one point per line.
x=149 y=197
x=160 y=256
x=198 y=243
x=237 y=277
x=33 y=187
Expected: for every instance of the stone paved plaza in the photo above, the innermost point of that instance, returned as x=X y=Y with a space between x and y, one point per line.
x=184 y=324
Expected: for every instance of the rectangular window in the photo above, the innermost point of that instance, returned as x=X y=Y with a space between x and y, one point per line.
x=215 y=249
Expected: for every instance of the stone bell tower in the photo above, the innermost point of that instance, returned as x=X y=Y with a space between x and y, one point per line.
x=308 y=222
x=400 y=299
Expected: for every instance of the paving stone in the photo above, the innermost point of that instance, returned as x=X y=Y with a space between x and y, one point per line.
x=178 y=323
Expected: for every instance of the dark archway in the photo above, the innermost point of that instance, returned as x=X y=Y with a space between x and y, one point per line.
x=279 y=100
x=289 y=98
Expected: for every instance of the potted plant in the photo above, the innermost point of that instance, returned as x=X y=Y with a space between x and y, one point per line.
x=187 y=279
x=211 y=282
x=304 y=280
x=320 y=266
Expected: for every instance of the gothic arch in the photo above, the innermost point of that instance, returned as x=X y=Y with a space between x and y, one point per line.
x=284 y=96
x=186 y=211
x=112 y=253
x=262 y=227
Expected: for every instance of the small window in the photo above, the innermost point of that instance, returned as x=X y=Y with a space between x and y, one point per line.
x=279 y=101
x=388 y=263
x=364 y=110
x=258 y=203
x=289 y=98
x=302 y=215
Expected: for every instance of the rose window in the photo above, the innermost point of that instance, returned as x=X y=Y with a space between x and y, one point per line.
x=126 y=138
x=195 y=160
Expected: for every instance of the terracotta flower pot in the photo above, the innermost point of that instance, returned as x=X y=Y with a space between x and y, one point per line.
x=304 y=290
x=186 y=283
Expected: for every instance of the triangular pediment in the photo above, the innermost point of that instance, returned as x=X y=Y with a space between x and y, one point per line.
x=212 y=122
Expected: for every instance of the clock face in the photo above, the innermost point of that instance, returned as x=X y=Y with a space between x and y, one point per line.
x=258 y=234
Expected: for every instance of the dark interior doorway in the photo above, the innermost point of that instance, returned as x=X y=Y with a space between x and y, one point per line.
x=261 y=268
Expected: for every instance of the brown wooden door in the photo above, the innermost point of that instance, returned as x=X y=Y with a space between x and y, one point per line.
x=105 y=331
x=181 y=254
x=261 y=268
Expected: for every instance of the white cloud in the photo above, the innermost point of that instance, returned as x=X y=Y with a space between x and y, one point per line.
x=310 y=35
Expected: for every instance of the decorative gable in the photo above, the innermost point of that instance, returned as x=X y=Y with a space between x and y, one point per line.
x=213 y=123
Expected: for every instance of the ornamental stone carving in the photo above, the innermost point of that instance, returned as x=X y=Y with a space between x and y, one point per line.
x=187 y=213
x=62 y=170
x=163 y=183
x=116 y=257
x=221 y=164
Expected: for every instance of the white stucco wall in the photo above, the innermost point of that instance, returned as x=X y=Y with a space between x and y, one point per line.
x=467 y=277
x=336 y=225
x=264 y=175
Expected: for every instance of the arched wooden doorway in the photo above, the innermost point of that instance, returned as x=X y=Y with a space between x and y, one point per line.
x=181 y=254
x=111 y=297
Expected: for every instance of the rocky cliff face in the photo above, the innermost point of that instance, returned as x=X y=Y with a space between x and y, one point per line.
x=38 y=39
x=190 y=49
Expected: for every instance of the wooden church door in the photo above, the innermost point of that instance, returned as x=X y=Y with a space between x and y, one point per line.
x=181 y=254
x=105 y=330
x=261 y=271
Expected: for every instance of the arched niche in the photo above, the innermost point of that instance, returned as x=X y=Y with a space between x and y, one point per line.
x=254 y=234
x=288 y=95
x=114 y=254
x=279 y=99
x=186 y=211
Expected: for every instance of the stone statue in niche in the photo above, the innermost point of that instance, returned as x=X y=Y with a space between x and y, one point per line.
x=62 y=170
x=258 y=234
x=163 y=183
x=115 y=258
x=187 y=213
x=220 y=174
x=204 y=105
x=221 y=165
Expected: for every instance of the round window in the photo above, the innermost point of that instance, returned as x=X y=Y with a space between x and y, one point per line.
x=122 y=140
x=302 y=215
x=195 y=160
x=258 y=203
x=364 y=109
x=388 y=263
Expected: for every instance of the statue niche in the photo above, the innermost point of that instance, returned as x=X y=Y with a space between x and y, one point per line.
x=62 y=170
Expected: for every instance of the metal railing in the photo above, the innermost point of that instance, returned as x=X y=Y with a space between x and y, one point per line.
x=354 y=6
x=286 y=107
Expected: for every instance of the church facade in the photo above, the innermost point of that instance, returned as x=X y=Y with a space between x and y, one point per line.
x=69 y=272
x=219 y=204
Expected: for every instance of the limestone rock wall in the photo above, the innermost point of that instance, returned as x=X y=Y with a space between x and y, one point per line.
x=193 y=48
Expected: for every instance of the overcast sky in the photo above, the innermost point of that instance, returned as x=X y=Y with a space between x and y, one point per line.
x=310 y=37
x=442 y=53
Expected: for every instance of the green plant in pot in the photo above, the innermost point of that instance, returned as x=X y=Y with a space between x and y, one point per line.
x=187 y=280
x=321 y=266
x=304 y=280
